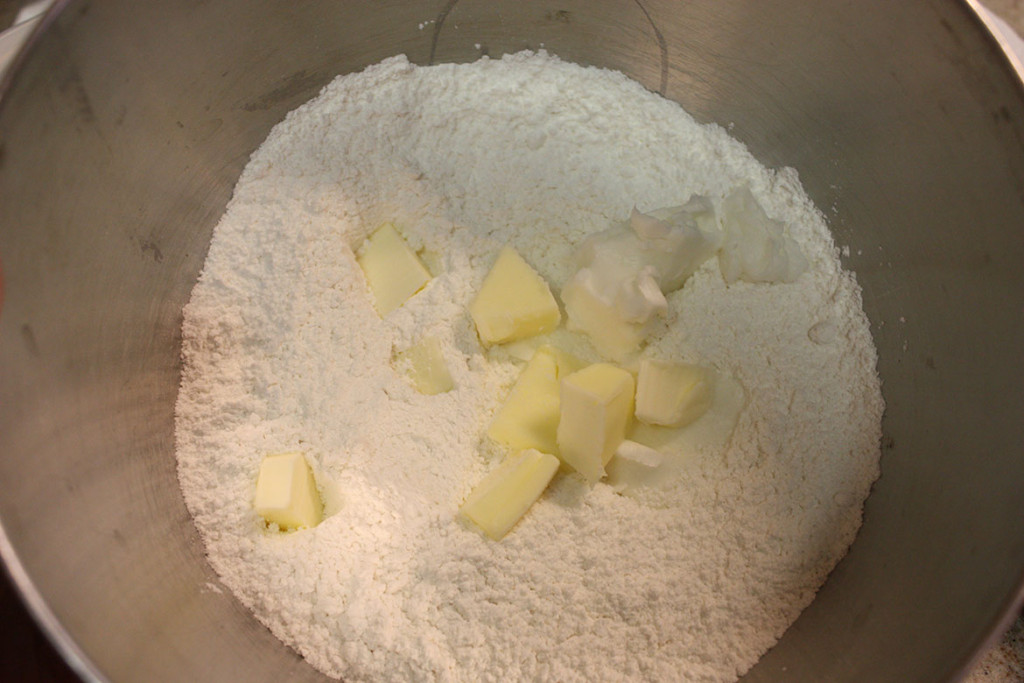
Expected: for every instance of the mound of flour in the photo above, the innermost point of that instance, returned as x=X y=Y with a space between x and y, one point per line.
x=283 y=350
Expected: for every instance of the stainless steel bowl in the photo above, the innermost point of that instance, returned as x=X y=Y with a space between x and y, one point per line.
x=125 y=128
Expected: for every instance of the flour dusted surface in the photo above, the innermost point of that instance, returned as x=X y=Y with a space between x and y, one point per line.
x=283 y=350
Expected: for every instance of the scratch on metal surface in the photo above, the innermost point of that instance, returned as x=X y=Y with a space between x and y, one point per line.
x=438 y=24
x=662 y=47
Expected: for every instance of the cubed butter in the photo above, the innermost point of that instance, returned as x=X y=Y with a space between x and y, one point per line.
x=514 y=302
x=504 y=495
x=392 y=269
x=427 y=369
x=529 y=417
x=286 y=494
x=672 y=394
x=596 y=410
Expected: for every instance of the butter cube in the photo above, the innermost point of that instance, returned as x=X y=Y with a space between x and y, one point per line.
x=392 y=269
x=514 y=302
x=672 y=394
x=427 y=369
x=597 y=406
x=504 y=495
x=529 y=417
x=286 y=494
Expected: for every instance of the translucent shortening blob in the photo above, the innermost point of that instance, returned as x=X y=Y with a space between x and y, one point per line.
x=823 y=332
x=626 y=271
x=634 y=465
x=610 y=315
x=677 y=240
x=756 y=248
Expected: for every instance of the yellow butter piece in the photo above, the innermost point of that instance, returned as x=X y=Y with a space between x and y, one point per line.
x=514 y=302
x=504 y=495
x=529 y=417
x=596 y=410
x=286 y=494
x=392 y=269
x=427 y=369
x=672 y=394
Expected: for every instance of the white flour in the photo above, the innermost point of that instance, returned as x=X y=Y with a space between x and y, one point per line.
x=283 y=350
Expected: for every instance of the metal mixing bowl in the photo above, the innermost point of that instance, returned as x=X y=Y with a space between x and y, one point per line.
x=125 y=128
